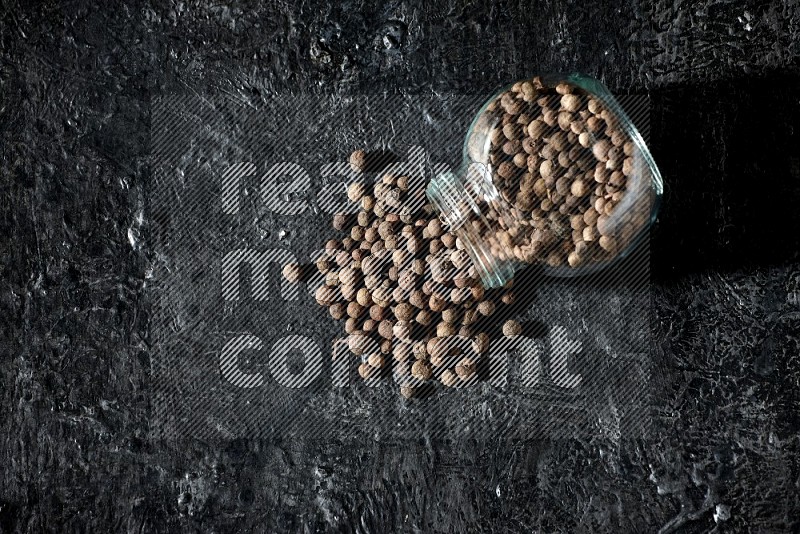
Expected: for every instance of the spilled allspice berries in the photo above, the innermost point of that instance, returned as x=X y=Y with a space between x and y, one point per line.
x=577 y=189
x=404 y=288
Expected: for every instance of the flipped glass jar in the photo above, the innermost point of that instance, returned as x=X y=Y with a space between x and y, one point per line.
x=554 y=173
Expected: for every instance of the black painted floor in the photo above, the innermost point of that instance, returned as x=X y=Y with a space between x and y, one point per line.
x=76 y=394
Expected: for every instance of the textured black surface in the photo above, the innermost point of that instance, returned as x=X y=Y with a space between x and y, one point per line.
x=196 y=310
x=75 y=88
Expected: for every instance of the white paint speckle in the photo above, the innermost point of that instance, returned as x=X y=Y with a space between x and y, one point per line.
x=722 y=512
x=132 y=238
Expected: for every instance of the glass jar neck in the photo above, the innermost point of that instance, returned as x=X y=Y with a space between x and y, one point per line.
x=456 y=197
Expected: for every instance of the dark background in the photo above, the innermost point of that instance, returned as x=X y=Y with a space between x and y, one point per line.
x=75 y=87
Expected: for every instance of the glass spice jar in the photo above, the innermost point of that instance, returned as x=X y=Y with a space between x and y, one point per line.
x=554 y=173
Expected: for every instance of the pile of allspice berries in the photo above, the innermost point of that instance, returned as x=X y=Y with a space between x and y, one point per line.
x=404 y=287
x=575 y=186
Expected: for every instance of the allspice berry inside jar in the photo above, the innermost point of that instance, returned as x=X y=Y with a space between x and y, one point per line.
x=554 y=174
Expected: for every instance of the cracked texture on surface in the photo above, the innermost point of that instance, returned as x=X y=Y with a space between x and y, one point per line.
x=75 y=258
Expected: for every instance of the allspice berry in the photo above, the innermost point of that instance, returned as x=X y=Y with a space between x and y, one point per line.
x=417 y=298
x=357 y=343
x=546 y=169
x=398 y=294
x=448 y=240
x=386 y=329
x=354 y=310
x=590 y=217
x=292 y=272
x=376 y=312
x=608 y=243
x=385 y=229
x=381 y=296
x=355 y=191
x=413 y=245
x=570 y=102
x=563 y=88
x=377 y=361
x=627 y=166
x=351 y=326
x=486 y=308
x=392 y=198
x=506 y=169
x=365 y=370
x=448 y=378
x=450 y=315
x=600 y=150
x=358 y=160
x=481 y=343
x=512 y=328
x=536 y=128
x=370 y=235
x=358 y=255
x=419 y=350
x=469 y=317
x=459 y=258
x=399 y=257
x=339 y=221
x=338 y=310
x=401 y=330
x=465 y=368
x=477 y=292
x=404 y=311
x=407 y=279
x=434 y=346
x=436 y=303
x=564 y=120
x=445 y=330
x=363 y=297
x=617 y=179
x=579 y=188
x=342 y=258
x=462 y=282
x=401 y=352
x=434 y=228
x=407 y=391
x=325 y=296
x=604 y=224
x=421 y=370
x=371 y=281
x=347 y=276
x=437 y=360
x=424 y=317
